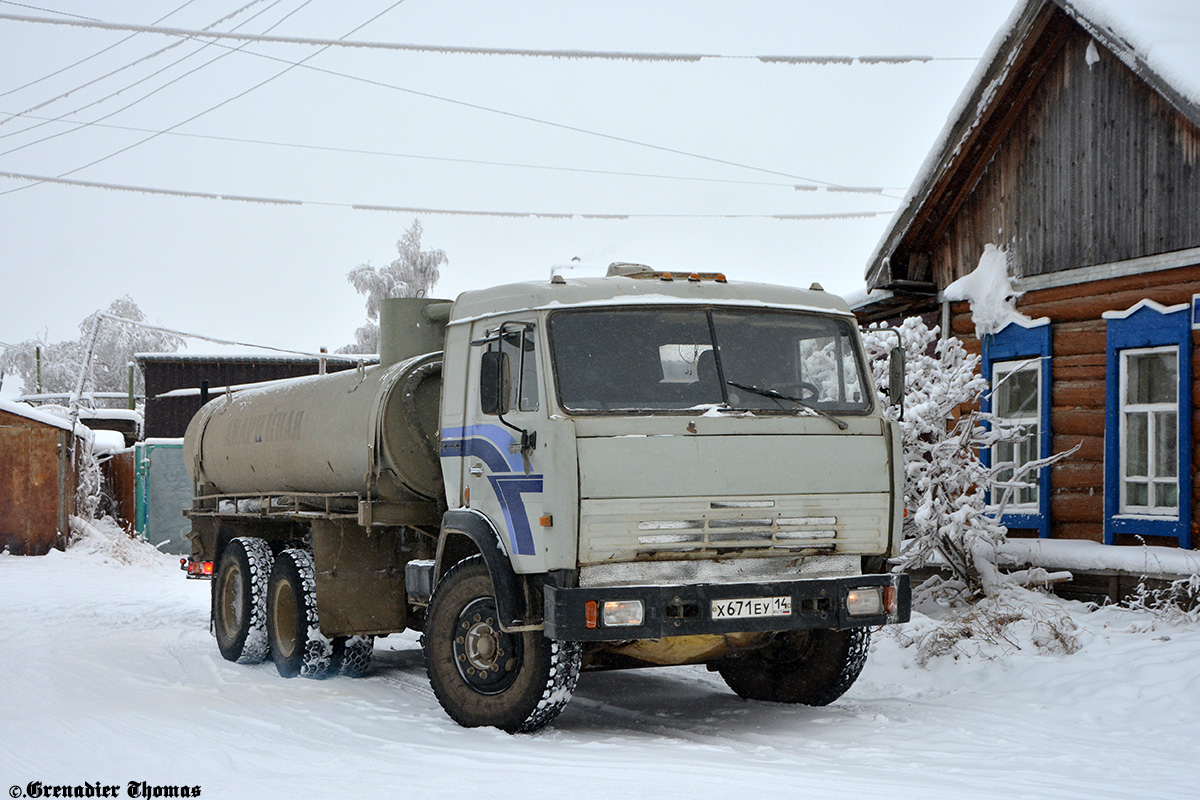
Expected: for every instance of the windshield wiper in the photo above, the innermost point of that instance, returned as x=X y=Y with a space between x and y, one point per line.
x=774 y=395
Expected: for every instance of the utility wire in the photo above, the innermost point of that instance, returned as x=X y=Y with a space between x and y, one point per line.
x=86 y=59
x=25 y=350
x=614 y=55
x=552 y=124
x=289 y=68
x=214 y=340
x=462 y=103
x=143 y=59
x=154 y=74
x=481 y=162
x=120 y=187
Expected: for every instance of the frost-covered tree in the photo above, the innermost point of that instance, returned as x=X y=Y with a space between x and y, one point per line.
x=945 y=480
x=951 y=519
x=413 y=274
x=111 y=353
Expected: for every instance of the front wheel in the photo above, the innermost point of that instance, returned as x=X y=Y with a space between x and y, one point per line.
x=481 y=675
x=810 y=667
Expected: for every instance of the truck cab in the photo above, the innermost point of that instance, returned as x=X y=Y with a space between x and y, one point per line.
x=670 y=469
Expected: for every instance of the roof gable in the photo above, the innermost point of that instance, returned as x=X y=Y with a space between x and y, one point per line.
x=1159 y=51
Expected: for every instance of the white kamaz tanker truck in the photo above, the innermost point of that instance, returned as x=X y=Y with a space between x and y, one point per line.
x=548 y=477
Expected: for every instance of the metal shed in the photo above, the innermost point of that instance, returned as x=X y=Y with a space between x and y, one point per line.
x=37 y=482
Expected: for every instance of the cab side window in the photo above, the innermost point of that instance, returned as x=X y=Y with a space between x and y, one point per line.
x=520 y=347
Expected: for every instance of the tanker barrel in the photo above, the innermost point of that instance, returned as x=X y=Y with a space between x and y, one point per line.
x=370 y=432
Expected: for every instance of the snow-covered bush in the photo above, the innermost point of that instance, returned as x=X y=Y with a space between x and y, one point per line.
x=1178 y=602
x=949 y=520
x=945 y=481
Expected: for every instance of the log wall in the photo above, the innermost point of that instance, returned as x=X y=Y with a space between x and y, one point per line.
x=1077 y=392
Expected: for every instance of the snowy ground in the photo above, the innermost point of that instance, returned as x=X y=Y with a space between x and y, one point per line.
x=110 y=675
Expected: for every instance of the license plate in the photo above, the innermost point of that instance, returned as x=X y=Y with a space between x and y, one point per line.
x=752 y=607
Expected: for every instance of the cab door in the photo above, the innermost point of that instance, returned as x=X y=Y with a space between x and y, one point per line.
x=503 y=458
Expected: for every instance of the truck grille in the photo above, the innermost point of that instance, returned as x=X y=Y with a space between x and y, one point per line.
x=643 y=528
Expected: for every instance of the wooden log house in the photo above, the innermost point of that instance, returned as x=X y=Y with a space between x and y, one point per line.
x=1075 y=150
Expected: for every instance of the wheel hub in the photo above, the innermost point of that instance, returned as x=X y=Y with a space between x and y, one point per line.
x=231 y=602
x=486 y=657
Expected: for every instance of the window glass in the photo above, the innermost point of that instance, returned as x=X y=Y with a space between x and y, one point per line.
x=1016 y=406
x=668 y=359
x=634 y=360
x=1151 y=378
x=804 y=356
x=521 y=349
x=1149 y=431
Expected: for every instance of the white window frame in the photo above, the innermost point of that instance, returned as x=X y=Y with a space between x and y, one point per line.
x=1124 y=407
x=1001 y=370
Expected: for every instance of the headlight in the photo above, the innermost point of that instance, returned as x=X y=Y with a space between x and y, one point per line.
x=865 y=601
x=622 y=613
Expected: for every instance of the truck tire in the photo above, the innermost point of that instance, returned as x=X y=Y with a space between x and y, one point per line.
x=297 y=645
x=810 y=667
x=517 y=682
x=352 y=655
x=239 y=600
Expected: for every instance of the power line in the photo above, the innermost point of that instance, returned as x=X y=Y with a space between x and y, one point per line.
x=481 y=162
x=214 y=340
x=127 y=87
x=560 y=215
x=143 y=59
x=475 y=106
x=289 y=68
x=613 y=55
x=86 y=59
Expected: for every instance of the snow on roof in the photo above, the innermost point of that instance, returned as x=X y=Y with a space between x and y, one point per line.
x=105 y=442
x=1159 y=37
x=44 y=417
x=1162 y=34
x=37 y=415
x=255 y=359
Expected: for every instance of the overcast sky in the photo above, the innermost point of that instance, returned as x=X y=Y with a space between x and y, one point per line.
x=275 y=274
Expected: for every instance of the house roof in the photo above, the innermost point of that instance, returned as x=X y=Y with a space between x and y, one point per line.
x=1159 y=40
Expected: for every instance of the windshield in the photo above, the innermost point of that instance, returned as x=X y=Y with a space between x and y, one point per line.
x=657 y=359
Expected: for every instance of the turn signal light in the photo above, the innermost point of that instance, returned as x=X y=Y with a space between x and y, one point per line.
x=890 y=600
x=590 y=615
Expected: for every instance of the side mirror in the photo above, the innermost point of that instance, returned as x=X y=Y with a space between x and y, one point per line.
x=896 y=367
x=495 y=383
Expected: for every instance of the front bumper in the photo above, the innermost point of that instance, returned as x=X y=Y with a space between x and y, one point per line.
x=818 y=603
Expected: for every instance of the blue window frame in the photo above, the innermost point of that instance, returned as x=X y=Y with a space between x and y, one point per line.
x=1019 y=355
x=1148 y=423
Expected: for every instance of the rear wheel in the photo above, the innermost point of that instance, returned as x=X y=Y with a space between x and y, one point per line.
x=239 y=600
x=352 y=655
x=483 y=676
x=297 y=645
x=810 y=667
